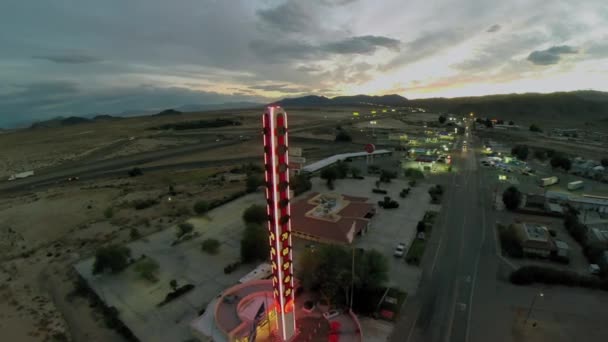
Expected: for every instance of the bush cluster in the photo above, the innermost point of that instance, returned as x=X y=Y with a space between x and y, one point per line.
x=536 y=274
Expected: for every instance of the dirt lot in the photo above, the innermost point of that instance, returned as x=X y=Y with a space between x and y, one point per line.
x=43 y=234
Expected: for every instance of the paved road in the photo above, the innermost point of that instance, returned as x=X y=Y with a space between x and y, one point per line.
x=440 y=309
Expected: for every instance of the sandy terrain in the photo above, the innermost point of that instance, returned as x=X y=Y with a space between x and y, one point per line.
x=43 y=234
x=135 y=146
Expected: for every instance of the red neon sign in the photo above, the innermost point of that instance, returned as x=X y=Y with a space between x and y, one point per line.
x=276 y=163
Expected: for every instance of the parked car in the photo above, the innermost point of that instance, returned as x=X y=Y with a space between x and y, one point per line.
x=399 y=250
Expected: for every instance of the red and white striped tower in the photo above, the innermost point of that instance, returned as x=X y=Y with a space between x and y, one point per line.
x=276 y=162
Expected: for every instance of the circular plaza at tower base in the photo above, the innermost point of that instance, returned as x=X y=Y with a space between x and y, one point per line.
x=232 y=315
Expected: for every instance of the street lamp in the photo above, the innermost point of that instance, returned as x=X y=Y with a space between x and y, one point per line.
x=532 y=306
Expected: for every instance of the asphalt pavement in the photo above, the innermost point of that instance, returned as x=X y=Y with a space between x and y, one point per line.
x=440 y=309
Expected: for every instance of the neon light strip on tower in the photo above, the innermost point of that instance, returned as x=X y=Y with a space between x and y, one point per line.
x=278 y=208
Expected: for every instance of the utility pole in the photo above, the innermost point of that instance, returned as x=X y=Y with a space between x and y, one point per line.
x=352 y=280
x=532 y=306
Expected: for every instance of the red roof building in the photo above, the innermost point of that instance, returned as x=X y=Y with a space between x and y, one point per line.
x=330 y=217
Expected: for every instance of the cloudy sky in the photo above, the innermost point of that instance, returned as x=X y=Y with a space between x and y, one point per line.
x=74 y=57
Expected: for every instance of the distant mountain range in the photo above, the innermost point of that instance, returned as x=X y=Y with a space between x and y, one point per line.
x=585 y=104
x=61 y=121
x=582 y=105
x=314 y=100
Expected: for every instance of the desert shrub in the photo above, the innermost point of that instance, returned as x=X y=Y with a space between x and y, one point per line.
x=183 y=229
x=255 y=214
x=254 y=180
x=108 y=213
x=201 y=207
x=210 y=246
x=134 y=234
x=254 y=243
x=134 y=172
x=141 y=204
x=147 y=269
x=114 y=257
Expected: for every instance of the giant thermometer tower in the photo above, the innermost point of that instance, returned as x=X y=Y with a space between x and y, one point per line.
x=276 y=163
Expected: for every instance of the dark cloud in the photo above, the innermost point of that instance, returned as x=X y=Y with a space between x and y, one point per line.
x=494 y=28
x=50 y=99
x=498 y=52
x=598 y=49
x=284 y=88
x=290 y=16
x=551 y=55
x=425 y=45
x=308 y=68
x=363 y=45
x=70 y=58
x=281 y=51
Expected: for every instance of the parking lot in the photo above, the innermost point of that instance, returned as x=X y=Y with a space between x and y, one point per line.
x=136 y=299
x=389 y=226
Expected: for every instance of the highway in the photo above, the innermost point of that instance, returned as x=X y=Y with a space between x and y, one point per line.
x=440 y=310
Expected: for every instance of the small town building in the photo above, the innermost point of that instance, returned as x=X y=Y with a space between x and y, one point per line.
x=535 y=239
x=331 y=217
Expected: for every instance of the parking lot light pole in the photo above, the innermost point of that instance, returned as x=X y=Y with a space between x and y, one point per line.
x=532 y=306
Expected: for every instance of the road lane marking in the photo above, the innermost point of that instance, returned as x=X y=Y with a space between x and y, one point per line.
x=483 y=239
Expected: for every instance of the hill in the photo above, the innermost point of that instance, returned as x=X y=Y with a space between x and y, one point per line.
x=60 y=122
x=584 y=104
x=105 y=117
x=314 y=100
x=167 y=112
x=554 y=106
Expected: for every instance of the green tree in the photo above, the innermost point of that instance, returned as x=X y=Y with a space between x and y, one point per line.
x=386 y=176
x=254 y=180
x=559 y=161
x=420 y=227
x=341 y=169
x=183 y=229
x=540 y=155
x=489 y=123
x=511 y=197
x=201 y=207
x=605 y=162
x=147 y=269
x=113 y=257
x=343 y=136
x=330 y=174
x=329 y=270
x=255 y=214
x=413 y=173
x=254 y=243
x=355 y=171
x=300 y=184
x=173 y=284
x=520 y=151
x=511 y=123
x=210 y=246
x=535 y=128
x=441 y=119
